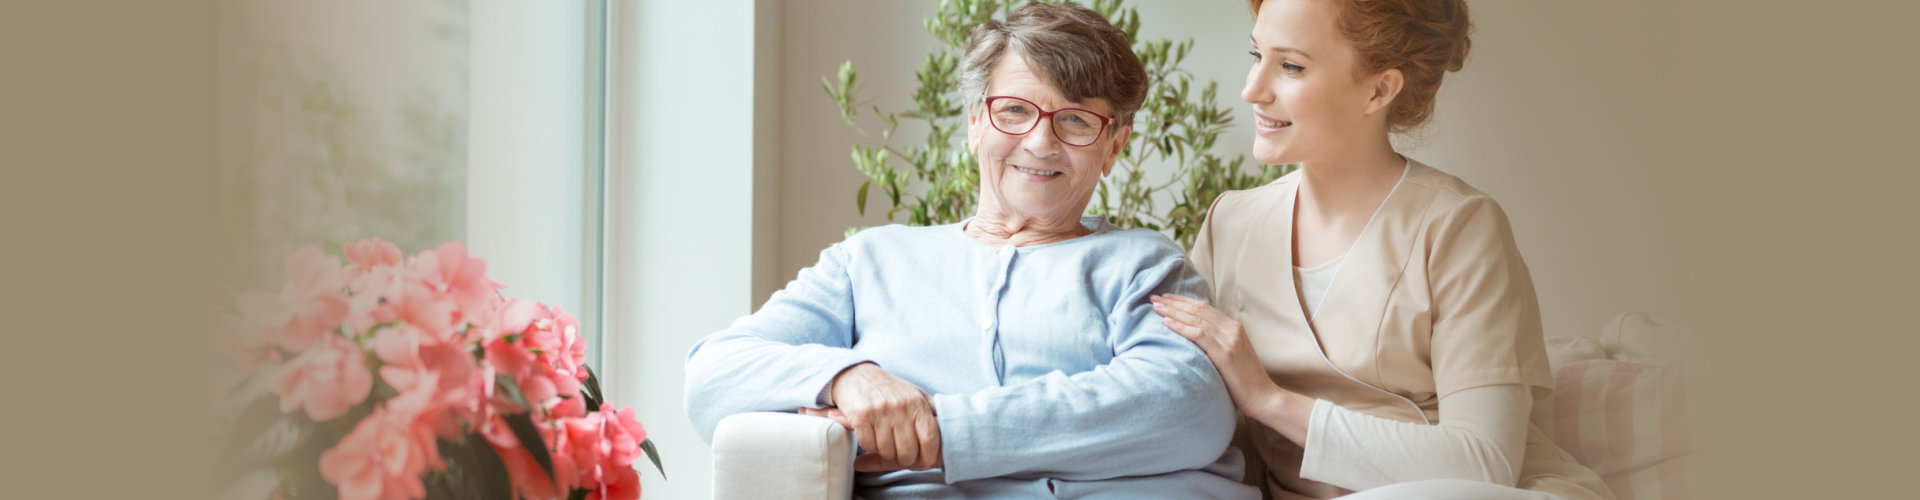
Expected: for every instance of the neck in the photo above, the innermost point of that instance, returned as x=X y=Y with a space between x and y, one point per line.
x=1351 y=183
x=994 y=225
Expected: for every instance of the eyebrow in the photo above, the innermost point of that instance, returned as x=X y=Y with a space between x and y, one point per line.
x=1302 y=53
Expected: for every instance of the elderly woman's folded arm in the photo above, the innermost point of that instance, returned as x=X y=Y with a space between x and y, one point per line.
x=780 y=357
x=1157 y=407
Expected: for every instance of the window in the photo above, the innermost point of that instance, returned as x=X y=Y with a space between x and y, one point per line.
x=419 y=122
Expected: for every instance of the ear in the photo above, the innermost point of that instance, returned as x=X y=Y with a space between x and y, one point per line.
x=1386 y=86
x=1119 y=145
x=975 y=130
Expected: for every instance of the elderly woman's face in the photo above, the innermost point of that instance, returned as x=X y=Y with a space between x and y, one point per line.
x=1036 y=174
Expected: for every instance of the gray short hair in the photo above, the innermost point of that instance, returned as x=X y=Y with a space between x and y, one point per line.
x=1074 y=49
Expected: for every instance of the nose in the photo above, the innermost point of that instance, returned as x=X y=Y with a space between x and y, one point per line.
x=1040 y=142
x=1257 y=90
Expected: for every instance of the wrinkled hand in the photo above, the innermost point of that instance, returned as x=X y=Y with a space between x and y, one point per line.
x=1225 y=343
x=893 y=419
x=866 y=462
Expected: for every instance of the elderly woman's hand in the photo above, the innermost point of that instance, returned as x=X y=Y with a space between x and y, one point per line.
x=1225 y=342
x=892 y=418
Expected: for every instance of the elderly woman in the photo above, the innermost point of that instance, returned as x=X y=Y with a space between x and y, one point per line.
x=1014 y=354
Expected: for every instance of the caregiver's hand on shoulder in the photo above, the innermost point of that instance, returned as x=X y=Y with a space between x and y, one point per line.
x=1225 y=342
x=892 y=419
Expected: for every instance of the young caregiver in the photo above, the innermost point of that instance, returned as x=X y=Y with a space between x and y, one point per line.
x=1374 y=321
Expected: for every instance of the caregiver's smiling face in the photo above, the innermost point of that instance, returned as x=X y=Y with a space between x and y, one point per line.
x=1307 y=101
x=1035 y=174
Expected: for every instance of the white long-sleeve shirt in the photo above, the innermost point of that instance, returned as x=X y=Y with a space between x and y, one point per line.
x=1482 y=436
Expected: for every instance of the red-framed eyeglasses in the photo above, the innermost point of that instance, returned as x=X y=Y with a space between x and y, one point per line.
x=1072 y=126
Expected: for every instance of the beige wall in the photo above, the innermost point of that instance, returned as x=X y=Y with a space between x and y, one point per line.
x=1566 y=113
x=1561 y=114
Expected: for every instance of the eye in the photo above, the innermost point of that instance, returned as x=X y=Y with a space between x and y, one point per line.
x=1255 y=54
x=1291 y=68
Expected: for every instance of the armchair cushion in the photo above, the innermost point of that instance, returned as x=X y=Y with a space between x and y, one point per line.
x=781 y=456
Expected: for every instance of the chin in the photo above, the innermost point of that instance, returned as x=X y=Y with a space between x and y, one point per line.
x=1032 y=207
x=1272 y=154
x=1035 y=204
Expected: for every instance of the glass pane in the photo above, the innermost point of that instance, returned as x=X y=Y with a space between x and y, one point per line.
x=340 y=120
x=349 y=119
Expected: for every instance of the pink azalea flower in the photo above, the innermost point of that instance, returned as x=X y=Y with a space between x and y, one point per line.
x=370 y=253
x=420 y=306
x=328 y=379
x=400 y=344
x=555 y=338
x=603 y=442
x=312 y=300
x=564 y=468
x=573 y=350
x=624 y=436
x=509 y=358
x=623 y=483
x=439 y=382
x=381 y=459
x=516 y=316
x=450 y=271
x=538 y=390
x=585 y=445
x=367 y=305
x=440 y=312
x=572 y=406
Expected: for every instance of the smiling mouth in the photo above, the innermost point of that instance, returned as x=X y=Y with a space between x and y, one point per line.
x=1272 y=123
x=1042 y=173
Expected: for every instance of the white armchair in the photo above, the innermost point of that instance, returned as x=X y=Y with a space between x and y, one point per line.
x=781 y=456
x=789 y=456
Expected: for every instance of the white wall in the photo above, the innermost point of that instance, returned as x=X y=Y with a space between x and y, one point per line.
x=817 y=179
x=1567 y=133
x=681 y=213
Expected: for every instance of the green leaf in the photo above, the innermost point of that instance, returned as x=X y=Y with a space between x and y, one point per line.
x=654 y=455
x=1179 y=212
x=474 y=470
x=592 y=389
x=511 y=389
x=529 y=437
x=860 y=198
x=522 y=424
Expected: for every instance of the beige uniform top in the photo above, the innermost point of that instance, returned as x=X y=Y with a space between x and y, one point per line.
x=1433 y=298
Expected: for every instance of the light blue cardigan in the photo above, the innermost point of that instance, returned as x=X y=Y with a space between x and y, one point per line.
x=1051 y=375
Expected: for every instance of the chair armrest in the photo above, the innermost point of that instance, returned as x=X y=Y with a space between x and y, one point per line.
x=781 y=456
